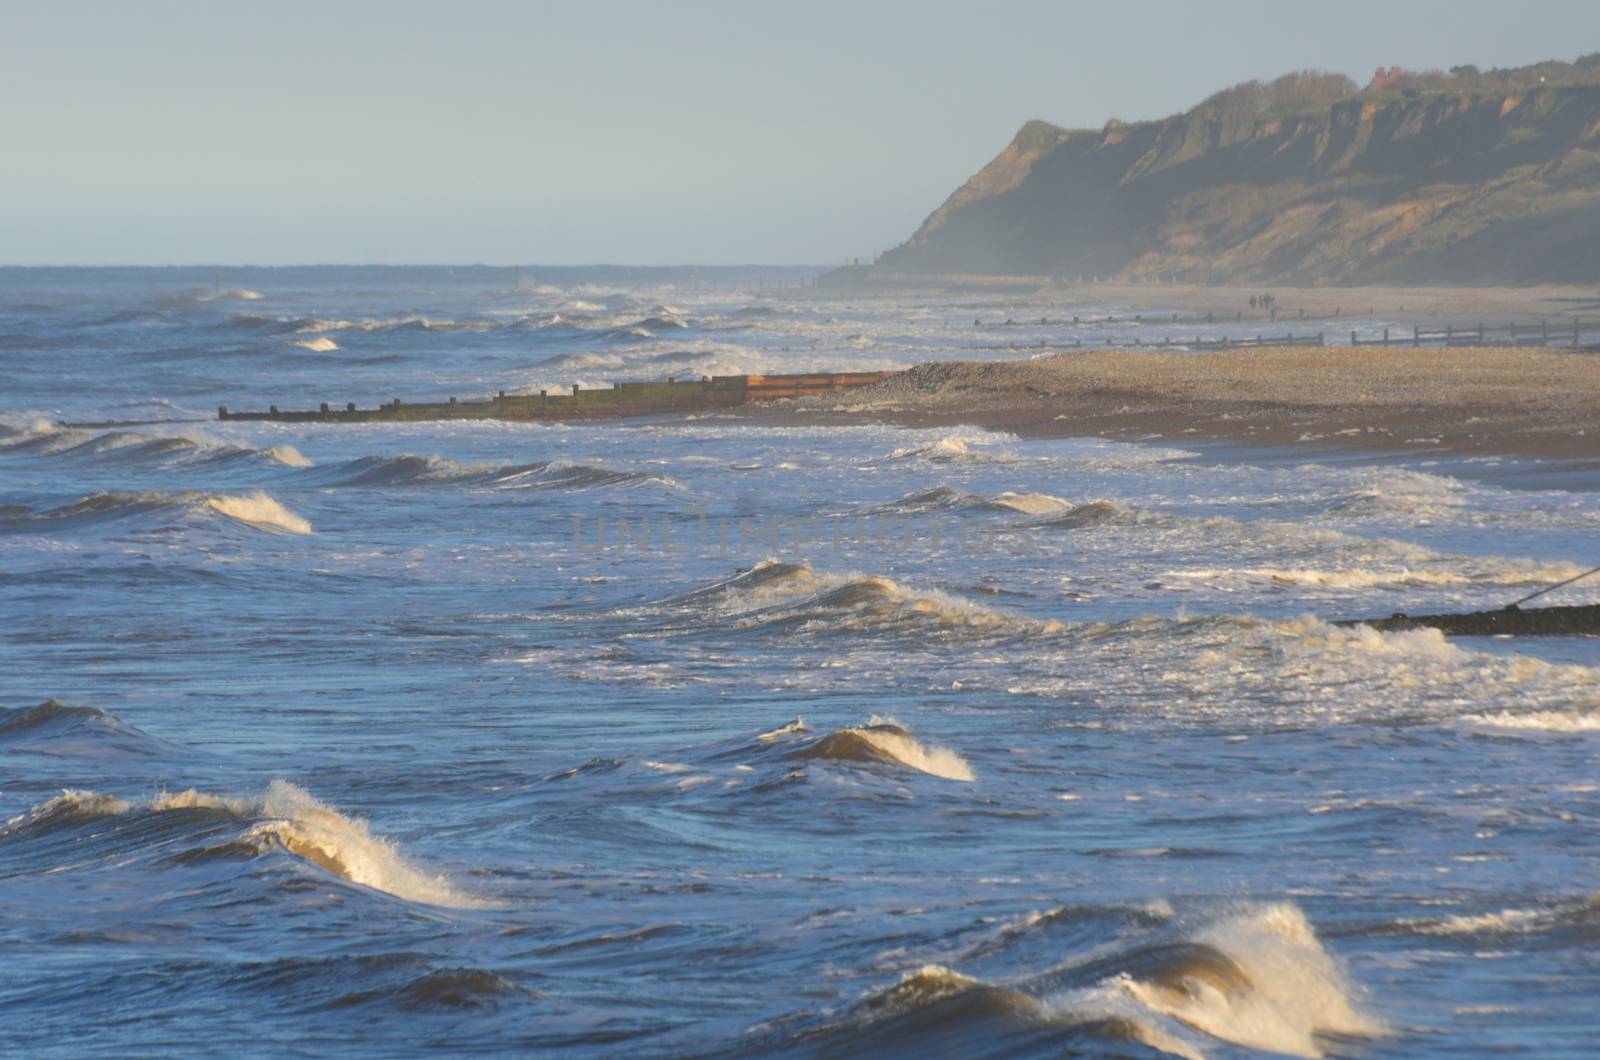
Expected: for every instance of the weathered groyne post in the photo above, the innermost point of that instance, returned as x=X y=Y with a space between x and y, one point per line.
x=620 y=399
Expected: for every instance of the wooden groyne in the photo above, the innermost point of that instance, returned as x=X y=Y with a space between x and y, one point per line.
x=1222 y=342
x=617 y=400
x=1540 y=334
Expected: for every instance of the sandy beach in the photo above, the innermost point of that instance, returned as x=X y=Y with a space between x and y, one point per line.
x=1531 y=402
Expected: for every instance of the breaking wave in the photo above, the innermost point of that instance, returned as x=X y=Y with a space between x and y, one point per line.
x=1257 y=978
x=1398 y=491
x=286 y=455
x=432 y=470
x=946 y=498
x=321 y=344
x=130 y=447
x=1095 y=513
x=1461 y=571
x=792 y=597
x=257 y=510
x=1578 y=914
x=885 y=742
x=1553 y=721
x=952 y=448
x=286 y=819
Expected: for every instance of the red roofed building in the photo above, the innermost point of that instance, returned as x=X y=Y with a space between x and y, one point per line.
x=1386 y=78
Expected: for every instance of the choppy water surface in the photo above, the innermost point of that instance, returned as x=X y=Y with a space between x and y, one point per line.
x=715 y=737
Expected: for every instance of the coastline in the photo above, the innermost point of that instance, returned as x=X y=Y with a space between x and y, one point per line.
x=1537 y=403
x=1460 y=305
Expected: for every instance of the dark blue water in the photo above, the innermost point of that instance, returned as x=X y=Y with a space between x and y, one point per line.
x=722 y=737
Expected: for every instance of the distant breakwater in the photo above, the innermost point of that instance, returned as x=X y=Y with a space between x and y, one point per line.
x=617 y=400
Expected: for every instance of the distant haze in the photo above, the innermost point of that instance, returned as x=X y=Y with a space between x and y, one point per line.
x=633 y=132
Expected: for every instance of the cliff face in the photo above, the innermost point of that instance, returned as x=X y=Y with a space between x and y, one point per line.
x=1442 y=188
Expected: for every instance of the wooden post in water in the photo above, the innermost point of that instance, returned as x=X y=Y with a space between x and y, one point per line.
x=1386 y=336
x=1574 y=332
x=1416 y=335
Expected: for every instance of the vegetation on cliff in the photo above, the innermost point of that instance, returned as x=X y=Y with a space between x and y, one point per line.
x=1461 y=176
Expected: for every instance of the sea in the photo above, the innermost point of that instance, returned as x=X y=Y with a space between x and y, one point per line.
x=728 y=735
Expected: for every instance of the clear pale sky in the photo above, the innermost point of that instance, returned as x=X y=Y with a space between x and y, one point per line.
x=649 y=132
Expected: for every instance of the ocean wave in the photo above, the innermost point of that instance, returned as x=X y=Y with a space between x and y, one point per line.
x=781 y=761
x=53 y=728
x=432 y=470
x=883 y=741
x=1558 y=916
x=579 y=361
x=768 y=579
x=791 y=597
x=320 y=344
x=629 y=333
x=1253 y=673
x=400 y=322
x=406 y=982
x=1552 y=721
x=257 y=510
x=661 y=322
x=1256 y=977
x=287 y=455
x=130 y=447
x=936 y=499
x=1094 y=513
x=286 y=819
x=42 y=436
x=1400 y=491
x=952 y=448
x=946 y=498
x=1459 y=571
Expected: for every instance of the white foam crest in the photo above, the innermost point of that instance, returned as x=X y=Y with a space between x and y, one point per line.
x=320 y=344
x=1031 y=503
x=288 y=455
x=950 y=448
x=797 y=725
x=1555 y=721
x=291 y=817
x=42 y=436
x=870 y=602
x=925 y=758
x=1403 y=491
x=313 y=830
x=1471 y=571
x=1294 y=990
x=258 y=510
x=1507 y=921
x=1408 y=644
x=886 y=740
x=72 y=802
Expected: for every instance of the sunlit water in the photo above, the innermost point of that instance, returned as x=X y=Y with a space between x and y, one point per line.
x=720 y=737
